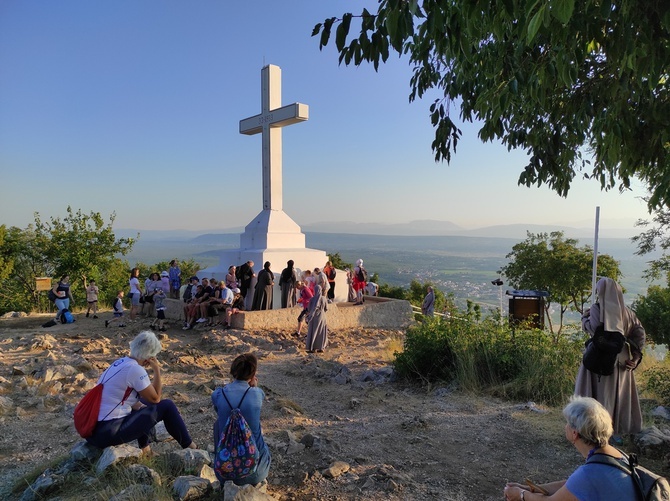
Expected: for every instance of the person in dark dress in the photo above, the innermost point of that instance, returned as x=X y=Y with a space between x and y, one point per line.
x=246 y=276
x=264 y=285
x=287 y=282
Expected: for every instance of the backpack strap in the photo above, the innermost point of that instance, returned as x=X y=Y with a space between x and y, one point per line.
x=630 y=469
x=228 y=401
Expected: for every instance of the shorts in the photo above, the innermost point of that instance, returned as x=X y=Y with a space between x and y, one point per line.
x=160 y=314
x=303 y=314
x=135 y=298
x=118 y=314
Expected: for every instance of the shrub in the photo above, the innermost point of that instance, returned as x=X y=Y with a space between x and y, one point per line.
x=657 y=382
x=524 y=364
x=427 y=354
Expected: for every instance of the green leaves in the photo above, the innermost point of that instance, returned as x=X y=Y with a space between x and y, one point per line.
x=562 y=9
x=535 y=23
x=342 y=32
x=582 y=87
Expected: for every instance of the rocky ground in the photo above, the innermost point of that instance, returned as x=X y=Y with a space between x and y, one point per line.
x=400 y=441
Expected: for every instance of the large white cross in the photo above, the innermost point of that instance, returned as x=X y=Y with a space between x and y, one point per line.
x=269 y=122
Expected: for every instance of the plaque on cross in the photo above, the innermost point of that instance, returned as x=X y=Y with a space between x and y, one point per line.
x=269 y=123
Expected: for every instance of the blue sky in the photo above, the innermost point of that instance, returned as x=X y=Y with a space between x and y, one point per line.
x=133 y=107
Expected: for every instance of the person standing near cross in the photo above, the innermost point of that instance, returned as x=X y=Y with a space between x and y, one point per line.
x=269 y=123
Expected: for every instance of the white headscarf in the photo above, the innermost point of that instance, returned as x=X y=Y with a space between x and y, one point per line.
x=610 y=299
x=359 y=263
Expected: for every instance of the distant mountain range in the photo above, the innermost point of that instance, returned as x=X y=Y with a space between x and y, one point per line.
x=413 y=228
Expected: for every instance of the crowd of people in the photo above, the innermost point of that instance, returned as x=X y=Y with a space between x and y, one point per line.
x=602 y=410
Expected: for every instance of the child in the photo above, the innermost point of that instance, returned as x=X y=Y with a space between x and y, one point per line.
x=159 y=297
x=118 y=311
x=91 y=298
x=306 y=295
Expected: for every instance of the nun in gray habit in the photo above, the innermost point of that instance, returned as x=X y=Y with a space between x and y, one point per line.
x=317 y=331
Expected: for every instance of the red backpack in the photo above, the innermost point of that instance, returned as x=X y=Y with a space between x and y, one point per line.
x=87 y=410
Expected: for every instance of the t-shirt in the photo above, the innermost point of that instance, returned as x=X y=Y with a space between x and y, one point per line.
x=600 y=482
x=134 y=286
x=130 y=374
x=227 y=296
x=92 y=293
x=118 y=305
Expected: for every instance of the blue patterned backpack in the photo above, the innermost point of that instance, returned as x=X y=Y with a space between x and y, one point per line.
x=236 y=454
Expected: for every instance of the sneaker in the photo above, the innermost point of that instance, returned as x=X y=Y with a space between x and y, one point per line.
x=106 y=323
x=122 y=325
x=186 y=327
x=201 y=320
x=95 y=316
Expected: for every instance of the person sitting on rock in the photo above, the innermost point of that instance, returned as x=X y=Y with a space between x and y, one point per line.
x=131 y=403
x=244 y=393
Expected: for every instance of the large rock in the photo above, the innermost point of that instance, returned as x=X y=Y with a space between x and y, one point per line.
x=141 y=474
x=44 y=484
x=336 y=469
x=83 y=451
x=191 y=487
x=652 y=442
x=188 y=460
x=232 y=492
x=115 y=455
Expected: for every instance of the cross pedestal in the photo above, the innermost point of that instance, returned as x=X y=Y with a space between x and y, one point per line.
x=272 y=235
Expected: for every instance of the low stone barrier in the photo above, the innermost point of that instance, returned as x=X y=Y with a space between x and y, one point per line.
x=376 y=312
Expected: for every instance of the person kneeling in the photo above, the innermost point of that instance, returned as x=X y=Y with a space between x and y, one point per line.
x=131 y=403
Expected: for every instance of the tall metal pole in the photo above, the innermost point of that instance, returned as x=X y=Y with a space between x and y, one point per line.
x=501 y=306
x=595 y=257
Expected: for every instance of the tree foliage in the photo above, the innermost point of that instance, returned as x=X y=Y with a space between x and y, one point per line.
x=80 y=245
x=555 y=78
x=656 y=234
x=653 y=310
x=552 y=263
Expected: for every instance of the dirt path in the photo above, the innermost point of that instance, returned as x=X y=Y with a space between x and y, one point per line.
x=401 y=442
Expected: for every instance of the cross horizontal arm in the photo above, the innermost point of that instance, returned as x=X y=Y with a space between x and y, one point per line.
x=286 y=115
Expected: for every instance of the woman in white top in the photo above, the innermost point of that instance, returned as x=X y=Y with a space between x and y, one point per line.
x=131 y=402
x=135 y=293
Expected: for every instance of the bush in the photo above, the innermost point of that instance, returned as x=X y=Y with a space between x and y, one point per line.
x=524 y=364
x=427 y=354
x=657 y=382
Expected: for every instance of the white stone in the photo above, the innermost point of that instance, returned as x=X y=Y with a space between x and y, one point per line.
x=336 y=469
x=115 y=454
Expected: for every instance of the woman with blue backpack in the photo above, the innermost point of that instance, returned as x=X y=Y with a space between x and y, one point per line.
x=238 y=408
x=62 y=295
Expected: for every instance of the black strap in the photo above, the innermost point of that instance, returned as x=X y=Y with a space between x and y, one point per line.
x=228 y=401
x=630 y=469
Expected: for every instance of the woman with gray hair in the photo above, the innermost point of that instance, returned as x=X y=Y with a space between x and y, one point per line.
x=588 y=427
x=131 y=403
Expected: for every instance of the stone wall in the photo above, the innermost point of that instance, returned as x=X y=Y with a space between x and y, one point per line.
x=376 y=312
